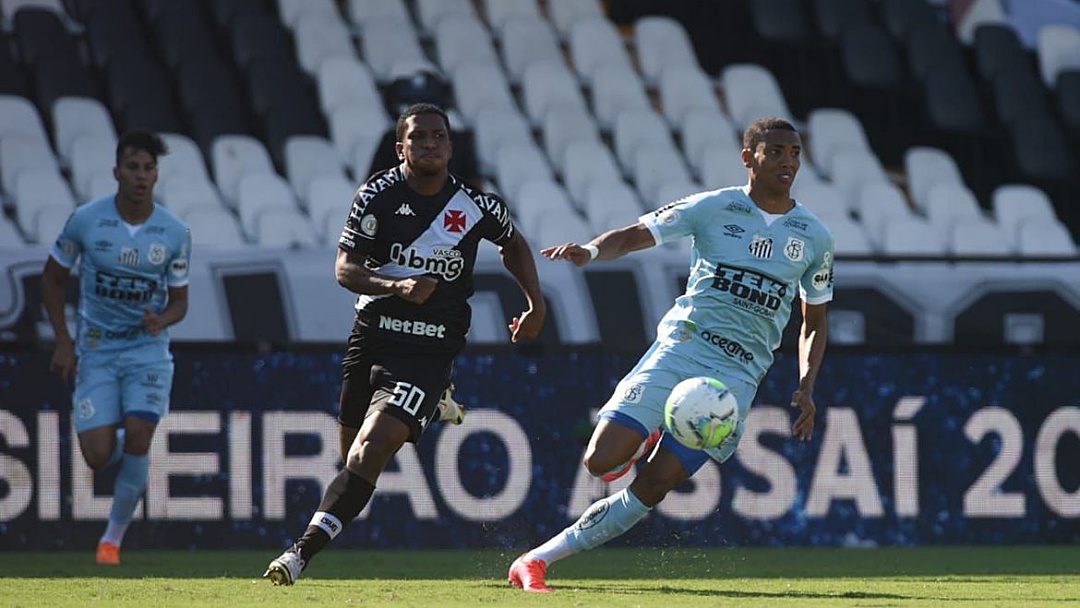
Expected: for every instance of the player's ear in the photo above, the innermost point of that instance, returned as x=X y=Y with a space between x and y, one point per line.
x=747 y=157
x=399 y=148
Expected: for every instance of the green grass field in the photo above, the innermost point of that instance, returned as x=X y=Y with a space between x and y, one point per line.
x=654 y=578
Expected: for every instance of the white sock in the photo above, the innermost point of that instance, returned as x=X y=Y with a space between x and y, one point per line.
x=114 y=533
x=604 y=520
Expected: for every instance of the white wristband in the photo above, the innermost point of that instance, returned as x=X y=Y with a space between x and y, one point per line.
x=593 y=251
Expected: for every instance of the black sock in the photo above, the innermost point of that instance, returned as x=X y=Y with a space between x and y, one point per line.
x=345 y=497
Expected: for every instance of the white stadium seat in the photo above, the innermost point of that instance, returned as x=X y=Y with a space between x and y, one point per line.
x=545 y=84
x=701 y=128
x=653 y=165
x=500 y=13
x=387 y=40
x=880 y=203
x=662 y=42
x=308 y=156
x=686 y=88
x=346 y=81
x=949 y=204
x=831 y=130
x=329 y=198
x=519 y=163
x=595 y=43
x=234 y=156
x=565 y=13
x=181 y=195
x=19 y=153
x=214 y=227
x=980 y=237
x=320 y=37
x=41 y=192
x=635 y=128
x=927 y=167
x=752 y=93
x=285 y=228
x=610 y=205
x=75 y=116
x=18 y=116
x=184 y=158
x=616 y=88
x=432 y=13
x=1015 y=204
x=912 y=236
x=1044 y=237
x=586 y=162
x=495 y=127
x=259 y=192
x=526 y=41
x=459 y=39
x=564 y=124
x=1058 y=47
x=362 y=11
x=357 y=130
x=477 y=85
x=823 y=199
x=9 y=234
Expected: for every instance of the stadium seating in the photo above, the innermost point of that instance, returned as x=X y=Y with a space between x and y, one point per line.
x=891 y=103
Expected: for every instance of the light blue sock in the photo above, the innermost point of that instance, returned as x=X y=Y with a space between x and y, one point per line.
x=129 y=487
x=604 y=520
x=118 y=453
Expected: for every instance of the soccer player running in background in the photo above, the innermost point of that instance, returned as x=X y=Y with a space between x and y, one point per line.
x=132 y=256
x=407 y=250
x=754 y=248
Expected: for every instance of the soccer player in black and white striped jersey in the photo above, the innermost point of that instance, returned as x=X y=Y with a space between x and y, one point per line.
x=407 y=251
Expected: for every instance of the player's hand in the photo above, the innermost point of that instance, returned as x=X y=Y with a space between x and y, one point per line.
x=804 y=426
x=571 y=252
x=63 y=359
x=416 y=289
x=527 y=325
x=152 y=323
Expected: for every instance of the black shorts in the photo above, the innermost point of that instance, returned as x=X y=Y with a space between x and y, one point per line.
x=406 y=386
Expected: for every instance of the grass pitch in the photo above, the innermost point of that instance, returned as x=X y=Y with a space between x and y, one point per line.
x=948 y=576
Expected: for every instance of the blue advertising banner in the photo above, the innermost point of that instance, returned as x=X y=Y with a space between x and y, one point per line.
x=909 y=449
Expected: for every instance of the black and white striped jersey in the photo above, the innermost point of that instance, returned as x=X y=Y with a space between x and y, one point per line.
x=407 y=234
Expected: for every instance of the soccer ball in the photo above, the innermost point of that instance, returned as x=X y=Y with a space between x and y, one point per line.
x=701 y=413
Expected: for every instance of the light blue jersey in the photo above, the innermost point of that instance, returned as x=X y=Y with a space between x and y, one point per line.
x=123 y=270
x=745 y=269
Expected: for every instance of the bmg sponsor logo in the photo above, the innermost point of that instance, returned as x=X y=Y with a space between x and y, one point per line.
x=727 y=346
x=446 y=263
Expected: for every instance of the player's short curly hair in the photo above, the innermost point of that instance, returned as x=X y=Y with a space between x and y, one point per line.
x=149 y=142
x=415 y=109
x=755 y=132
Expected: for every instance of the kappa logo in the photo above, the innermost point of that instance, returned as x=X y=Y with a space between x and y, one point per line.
x=405 y=209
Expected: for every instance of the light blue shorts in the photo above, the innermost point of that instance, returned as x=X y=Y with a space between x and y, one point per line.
x=638 y=401
x=113 y=384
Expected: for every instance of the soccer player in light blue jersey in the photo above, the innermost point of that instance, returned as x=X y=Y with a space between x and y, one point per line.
x=754 y=249
x=132 y=258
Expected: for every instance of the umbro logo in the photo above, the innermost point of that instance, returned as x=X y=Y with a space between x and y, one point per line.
x=733 y=230
x=405 y=209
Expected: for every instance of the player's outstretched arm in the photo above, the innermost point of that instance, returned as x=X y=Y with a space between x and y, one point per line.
x=611 y=245
x=518 y=259
x=812 y=339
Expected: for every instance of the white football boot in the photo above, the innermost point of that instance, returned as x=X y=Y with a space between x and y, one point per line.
x=284 y=570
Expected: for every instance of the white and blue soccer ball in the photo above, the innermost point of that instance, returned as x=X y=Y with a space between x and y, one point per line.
x=701 y=413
